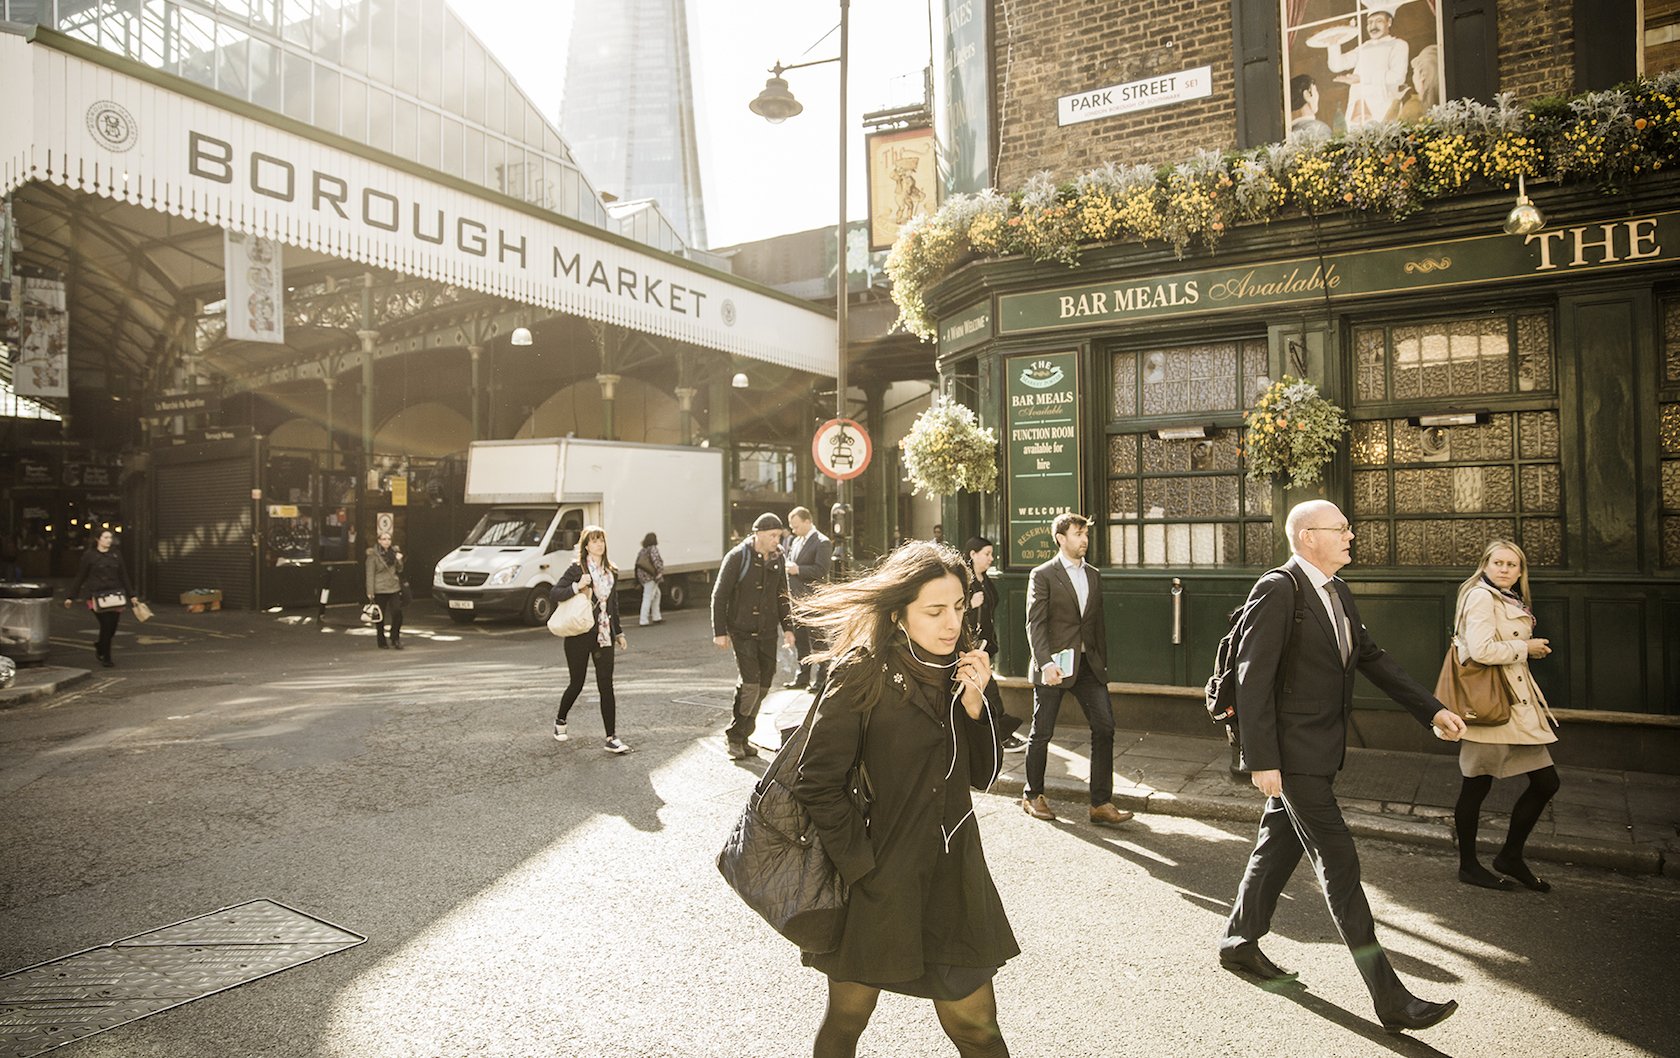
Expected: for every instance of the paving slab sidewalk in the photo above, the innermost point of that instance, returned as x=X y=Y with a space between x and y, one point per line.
x=1627 y=821
x=39 y=681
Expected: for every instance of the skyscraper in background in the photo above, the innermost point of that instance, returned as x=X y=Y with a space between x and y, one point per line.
x=628 y=111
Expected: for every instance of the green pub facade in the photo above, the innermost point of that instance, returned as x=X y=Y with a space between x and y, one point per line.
x=1498 y=386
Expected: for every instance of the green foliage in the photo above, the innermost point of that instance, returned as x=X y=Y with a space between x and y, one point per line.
x=1291 y=430
x=947 y=450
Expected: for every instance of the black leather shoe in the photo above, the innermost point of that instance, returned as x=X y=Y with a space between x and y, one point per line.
x=1419 y=1014
x=1249 y=959
x=1483 y=877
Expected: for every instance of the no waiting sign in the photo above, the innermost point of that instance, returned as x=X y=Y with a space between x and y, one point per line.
x=841 y=449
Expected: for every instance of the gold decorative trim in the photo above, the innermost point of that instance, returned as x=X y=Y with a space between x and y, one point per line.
x=1429 y=264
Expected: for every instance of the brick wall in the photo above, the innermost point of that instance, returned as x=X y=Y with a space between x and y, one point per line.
x=1044 y=49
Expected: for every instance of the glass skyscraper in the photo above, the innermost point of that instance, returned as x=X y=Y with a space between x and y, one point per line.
x=628 y=112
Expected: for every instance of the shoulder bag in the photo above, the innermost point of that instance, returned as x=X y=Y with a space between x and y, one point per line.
x=774 y=859
x=1477 y=693
x=109 y=601
x=574 y=616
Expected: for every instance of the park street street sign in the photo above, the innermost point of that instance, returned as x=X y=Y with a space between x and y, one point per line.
x=1133 y=96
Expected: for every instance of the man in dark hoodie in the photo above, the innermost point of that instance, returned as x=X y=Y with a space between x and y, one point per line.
x=749 y=603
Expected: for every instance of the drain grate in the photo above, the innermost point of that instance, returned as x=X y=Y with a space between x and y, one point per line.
x=53 y=1003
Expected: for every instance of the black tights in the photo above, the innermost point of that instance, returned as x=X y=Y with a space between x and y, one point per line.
x=1542 y=785
x=579 y=649
x=971 y=1022
x=107 y=631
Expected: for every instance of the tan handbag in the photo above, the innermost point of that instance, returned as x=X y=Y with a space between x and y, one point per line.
x=1477 y=693
x=573 y=617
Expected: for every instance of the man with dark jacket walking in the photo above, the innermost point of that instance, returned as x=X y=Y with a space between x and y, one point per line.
x=1069 y=642
x=1292 y=720
x=749 y=603
x=809 y=556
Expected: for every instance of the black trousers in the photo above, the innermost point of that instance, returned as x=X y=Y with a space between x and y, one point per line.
x=1092 y=694
x=390 y=613
x=1308 y=819
x=579 y=650
x=806 y=640
x=755 y=662
x=107 y=631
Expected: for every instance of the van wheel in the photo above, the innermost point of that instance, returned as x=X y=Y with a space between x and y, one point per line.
x=675 y=596
x=537 y=607
x=462 y=617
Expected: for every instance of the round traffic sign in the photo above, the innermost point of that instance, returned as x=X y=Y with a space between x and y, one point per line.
x=841 y=449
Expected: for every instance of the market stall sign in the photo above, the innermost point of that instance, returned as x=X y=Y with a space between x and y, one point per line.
x=1133 y=96
x=1426 y=266
x=173 y=404
x=1042 y=450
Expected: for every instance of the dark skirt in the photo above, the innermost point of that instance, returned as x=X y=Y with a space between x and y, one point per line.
x=939 y=981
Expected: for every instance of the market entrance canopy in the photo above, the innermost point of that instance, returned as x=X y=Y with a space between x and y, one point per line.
x=98 y=123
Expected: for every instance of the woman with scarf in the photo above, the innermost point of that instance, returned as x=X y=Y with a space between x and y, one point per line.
x=385 y=587
x=1496 y=627
x=592 y=572
x=906 y=701
x=101 y=578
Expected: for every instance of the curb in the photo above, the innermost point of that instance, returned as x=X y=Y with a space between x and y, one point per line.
x=34 y=691
x=1633 y=859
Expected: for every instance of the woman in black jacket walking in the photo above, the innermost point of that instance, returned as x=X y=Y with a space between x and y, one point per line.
x=594 y=573
x=923 y=917
x=101 y=576
x=981 y=620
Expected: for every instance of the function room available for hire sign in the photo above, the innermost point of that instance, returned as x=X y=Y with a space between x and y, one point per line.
x=1042 y=453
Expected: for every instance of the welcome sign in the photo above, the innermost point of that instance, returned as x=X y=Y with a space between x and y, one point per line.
x=1041 y=424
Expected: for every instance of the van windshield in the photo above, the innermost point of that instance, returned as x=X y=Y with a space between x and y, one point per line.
x=511 y=527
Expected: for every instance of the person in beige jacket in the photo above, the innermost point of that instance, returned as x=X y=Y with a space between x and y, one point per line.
x=1496 y=627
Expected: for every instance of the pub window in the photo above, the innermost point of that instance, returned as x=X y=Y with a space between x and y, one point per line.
x=1661 y=38
x=1185 y=501
x=1668 y=434
x=1433 y=494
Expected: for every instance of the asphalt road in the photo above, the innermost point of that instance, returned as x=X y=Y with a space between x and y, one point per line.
x=525 y=897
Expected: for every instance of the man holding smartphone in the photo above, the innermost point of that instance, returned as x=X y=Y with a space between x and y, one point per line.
x=1069 y=643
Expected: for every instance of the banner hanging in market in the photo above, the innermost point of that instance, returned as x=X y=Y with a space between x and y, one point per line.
x=41 y=367
x=84 y=119
x=256 y=293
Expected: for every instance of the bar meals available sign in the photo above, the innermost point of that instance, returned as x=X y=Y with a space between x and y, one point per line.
x=1135 y=95
x=1041 y=450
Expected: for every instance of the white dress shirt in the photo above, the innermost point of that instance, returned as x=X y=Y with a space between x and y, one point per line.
x=1081 y=583
x=1321 y=581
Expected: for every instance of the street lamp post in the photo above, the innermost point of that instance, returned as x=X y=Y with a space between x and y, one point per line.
x=776 y=104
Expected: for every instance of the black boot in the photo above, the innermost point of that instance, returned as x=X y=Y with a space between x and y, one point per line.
x=382 y=643
x=396 y=641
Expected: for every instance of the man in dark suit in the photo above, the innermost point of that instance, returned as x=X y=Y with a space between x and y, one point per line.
x=808 y=559
x=1065 y=616
x=749 y=602
x=1292 y=720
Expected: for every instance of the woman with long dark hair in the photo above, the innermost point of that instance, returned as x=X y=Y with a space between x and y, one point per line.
x=101 y=580
x=906 y=702
x=981 y=620
x=594 y=573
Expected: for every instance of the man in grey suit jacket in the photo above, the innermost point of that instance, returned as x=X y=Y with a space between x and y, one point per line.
x=1292 y=720
x=1065 y=614
x=808 y=559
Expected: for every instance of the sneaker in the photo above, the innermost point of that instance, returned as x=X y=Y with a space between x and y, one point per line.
x=560 y=731
x=1014 y=744
x=613 y=745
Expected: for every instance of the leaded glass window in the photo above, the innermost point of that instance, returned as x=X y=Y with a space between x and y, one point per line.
x=1185 y=502
x=1485 y=356
x=1668 y=434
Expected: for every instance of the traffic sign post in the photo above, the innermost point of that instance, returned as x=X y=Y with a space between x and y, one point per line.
x=842 y=449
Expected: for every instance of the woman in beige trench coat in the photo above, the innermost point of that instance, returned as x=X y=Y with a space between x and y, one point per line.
x=1496 y=627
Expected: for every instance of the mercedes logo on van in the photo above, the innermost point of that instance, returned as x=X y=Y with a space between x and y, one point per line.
x=112 y=125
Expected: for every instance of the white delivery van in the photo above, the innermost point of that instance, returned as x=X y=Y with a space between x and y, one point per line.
x=545 y=491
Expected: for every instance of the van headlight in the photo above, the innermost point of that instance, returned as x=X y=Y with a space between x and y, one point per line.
x=504 y=575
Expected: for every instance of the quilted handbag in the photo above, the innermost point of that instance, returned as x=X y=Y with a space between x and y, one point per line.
x=572 y=617
x=774 y=859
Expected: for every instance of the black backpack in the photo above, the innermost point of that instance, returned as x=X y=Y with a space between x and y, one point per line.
x=1221 y=687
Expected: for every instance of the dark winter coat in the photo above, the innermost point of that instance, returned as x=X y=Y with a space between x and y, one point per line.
x=100 y=573
x=982 y=619
x=920 y=889
x=568 y=586
x=751 y=594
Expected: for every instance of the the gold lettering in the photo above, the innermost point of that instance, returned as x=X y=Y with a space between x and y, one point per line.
x=1545 y=238
x=1607 y=244
x=1642 y=239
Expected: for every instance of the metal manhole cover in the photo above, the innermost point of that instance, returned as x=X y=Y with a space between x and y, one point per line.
x=53 y=1003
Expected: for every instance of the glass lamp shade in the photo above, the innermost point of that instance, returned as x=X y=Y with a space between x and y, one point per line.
x=776 y=104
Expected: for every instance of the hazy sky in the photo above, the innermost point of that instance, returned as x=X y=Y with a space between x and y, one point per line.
x=760 y=179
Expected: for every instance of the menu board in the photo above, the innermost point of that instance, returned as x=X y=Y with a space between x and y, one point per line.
x=1041 y=452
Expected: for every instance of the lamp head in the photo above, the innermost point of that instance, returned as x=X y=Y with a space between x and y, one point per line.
x=740 y=380
x=1525 y=217
x=776 y=104
x=520 y=336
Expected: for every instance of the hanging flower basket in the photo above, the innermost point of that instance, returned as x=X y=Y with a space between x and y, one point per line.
x=947 y=450
x=1291 y=430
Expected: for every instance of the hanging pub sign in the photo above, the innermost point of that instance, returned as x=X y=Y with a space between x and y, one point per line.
x=903 y=181
x=1042 y=451
x=256 y=296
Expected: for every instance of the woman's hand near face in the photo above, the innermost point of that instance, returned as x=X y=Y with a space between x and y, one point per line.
x=974 y=671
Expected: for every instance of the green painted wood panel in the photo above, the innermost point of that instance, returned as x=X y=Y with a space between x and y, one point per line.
x=1605 y=348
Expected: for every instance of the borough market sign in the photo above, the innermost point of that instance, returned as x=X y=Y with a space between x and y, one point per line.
x=1460 y=262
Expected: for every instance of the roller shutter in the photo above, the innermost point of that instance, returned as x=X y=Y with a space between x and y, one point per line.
x=202 y=537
